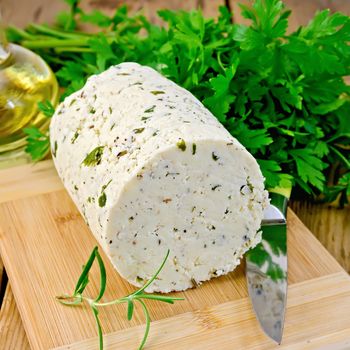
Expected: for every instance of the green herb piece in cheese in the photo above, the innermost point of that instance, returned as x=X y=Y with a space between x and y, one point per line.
x=105 y=186
x=102 y=200
x=110 y=110
x=215 y=187
x=139 y=130
x=150 y=110
x=181 y=144
x=54 y=151
x=139 y=280
x=194 y=148
x=72 y=102
x=76 y=187
x=157 y=92
x=122 y=153
x=75 y=136
x=92 y=110
x=250 y=185
x=214 y=156
x=194 y=283
x=94 y=157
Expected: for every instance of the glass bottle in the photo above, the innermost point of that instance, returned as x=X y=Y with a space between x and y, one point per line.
x=25 y=80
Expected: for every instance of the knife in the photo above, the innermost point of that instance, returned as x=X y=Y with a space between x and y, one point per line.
x=266 y=268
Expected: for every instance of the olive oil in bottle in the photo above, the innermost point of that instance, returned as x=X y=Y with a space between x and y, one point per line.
x=25 y=80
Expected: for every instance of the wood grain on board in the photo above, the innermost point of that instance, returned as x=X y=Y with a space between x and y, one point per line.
x=28 y=180
x=3 y=283
x=12 y=334
x=1 y=273
x=227 y=326
x=43 y=255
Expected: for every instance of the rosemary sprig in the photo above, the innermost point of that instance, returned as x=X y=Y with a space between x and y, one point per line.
x=78 y=298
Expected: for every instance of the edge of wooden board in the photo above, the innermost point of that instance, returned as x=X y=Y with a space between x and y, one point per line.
x=12 y=333
x=28 y=180
x=308 y=301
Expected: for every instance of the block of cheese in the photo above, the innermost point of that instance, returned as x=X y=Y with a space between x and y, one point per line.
x=151 y=169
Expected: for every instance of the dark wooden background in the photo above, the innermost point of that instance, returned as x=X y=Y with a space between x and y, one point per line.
x=20 y=12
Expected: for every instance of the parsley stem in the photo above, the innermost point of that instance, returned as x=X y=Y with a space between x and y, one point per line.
x=73 y=49
x=53 y=43
x=341 y=156
x=21 y=32
x=54 y=32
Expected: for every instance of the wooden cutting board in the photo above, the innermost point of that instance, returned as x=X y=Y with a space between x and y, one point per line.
x=44 y=242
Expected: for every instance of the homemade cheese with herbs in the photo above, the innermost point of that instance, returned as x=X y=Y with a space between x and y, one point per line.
x=151 y=169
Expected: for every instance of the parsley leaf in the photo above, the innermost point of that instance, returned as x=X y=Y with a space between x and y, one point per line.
x=38 y=143
x=220 y=102
x=46 y=108
x=309 y=168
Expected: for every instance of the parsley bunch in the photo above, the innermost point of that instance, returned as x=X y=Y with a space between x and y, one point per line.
x=283 y=96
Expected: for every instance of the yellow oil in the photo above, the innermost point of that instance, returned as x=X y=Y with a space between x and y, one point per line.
x=25 y=80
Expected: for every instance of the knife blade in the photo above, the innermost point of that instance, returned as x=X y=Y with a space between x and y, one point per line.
x=266 y=269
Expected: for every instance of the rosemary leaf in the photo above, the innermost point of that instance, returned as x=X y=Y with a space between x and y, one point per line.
x=154 y=276
x=162 y=298
x=148 y=324
x=83 y=279
x=130 y=309
x=103 y=276
x=99 y=328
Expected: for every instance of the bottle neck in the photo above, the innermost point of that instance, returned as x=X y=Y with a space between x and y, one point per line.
x=4 y=46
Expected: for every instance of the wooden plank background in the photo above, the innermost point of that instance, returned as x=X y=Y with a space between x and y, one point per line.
x=330 y=225
x=19 y=13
